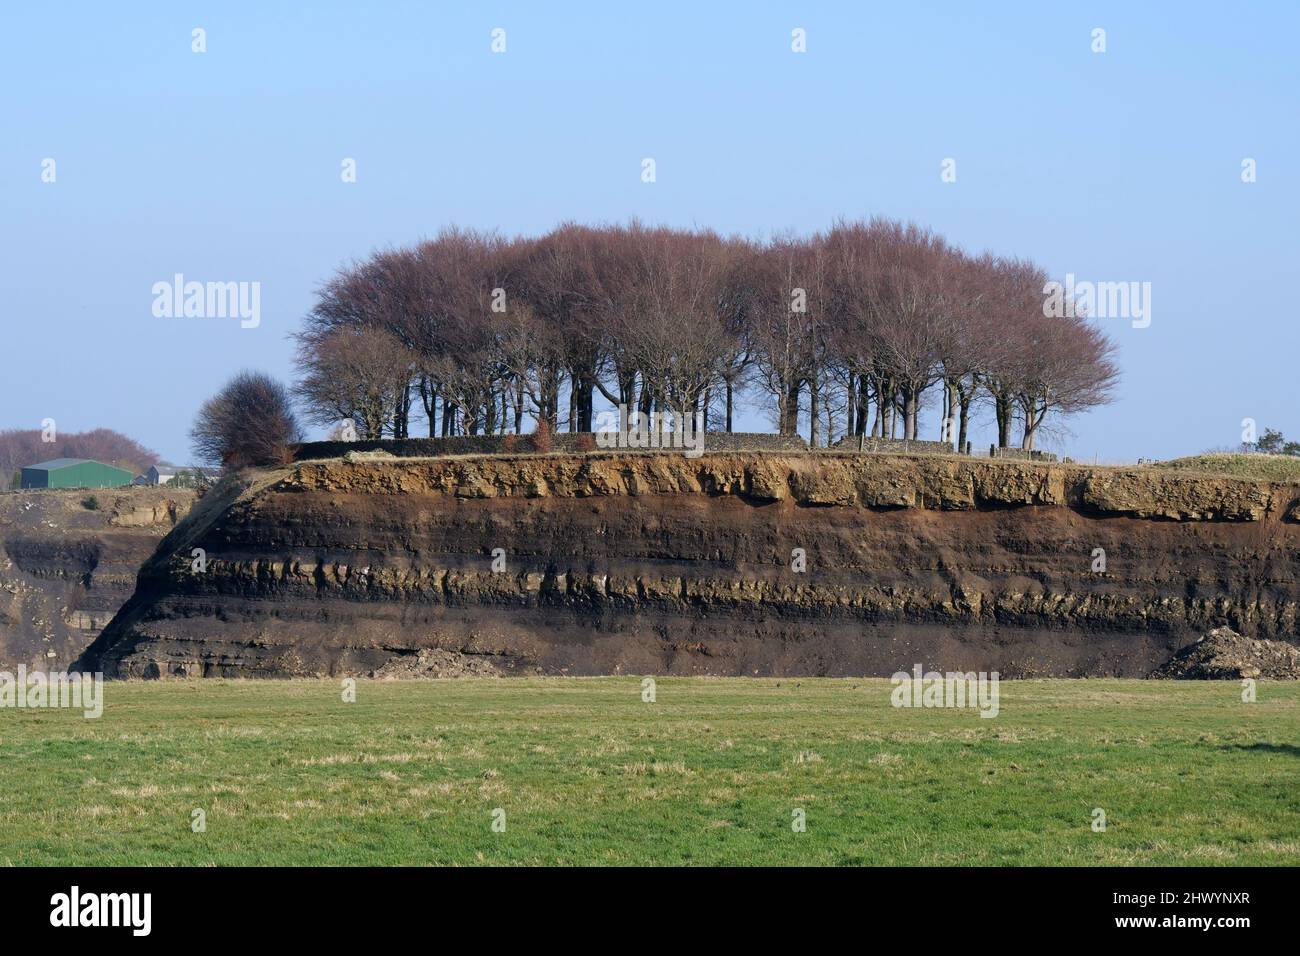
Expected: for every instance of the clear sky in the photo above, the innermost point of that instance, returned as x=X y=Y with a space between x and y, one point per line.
x=225 y=166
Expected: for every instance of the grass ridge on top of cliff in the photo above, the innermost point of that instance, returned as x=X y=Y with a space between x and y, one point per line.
x=1278 y=468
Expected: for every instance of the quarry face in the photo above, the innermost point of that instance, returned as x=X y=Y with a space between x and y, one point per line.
x=727 y=564
x=66 y=568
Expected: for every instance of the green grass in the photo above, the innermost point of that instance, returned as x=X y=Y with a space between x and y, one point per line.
x=1262 y=467
x=708 y=774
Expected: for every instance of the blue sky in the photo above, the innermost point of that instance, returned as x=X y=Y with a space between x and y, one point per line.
x=225 y=166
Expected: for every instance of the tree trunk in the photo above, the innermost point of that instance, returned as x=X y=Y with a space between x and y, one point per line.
x=814 y=413
x=580 y=412
x=429 y=399
x=644 y=402
x=790 y=414
x=864 y=407
x=966 y=401
x=1002 y=410
x=909 y=414
x=950 y=429
x=551 y=397
x=1032 y=420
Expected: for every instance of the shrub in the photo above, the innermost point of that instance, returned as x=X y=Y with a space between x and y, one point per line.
x=542 y=436
x=90 y=504
x=249 y=423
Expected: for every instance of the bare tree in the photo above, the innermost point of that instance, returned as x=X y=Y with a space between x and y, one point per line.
x=967 y=288
x=868 y=316
x=906 y=301
x=1015 y=305
x=22 y=447
x=787 y=322
x=563 y=277
x=672 y=327
x=354 y=374
x=249 y=423
x=735 y=313
x=378 y=295
x=1069 y=368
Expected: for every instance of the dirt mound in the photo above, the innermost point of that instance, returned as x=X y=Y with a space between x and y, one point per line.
x=434 y=662
x=1223 y=654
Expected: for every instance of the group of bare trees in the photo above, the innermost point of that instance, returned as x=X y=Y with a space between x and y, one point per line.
x=20 y=448
x=849 y=331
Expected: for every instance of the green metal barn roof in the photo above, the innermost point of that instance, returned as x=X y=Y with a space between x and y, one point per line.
x=56 y=463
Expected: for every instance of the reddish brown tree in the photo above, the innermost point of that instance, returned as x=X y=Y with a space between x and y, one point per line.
x=22 y=447
x=249 y=423
x=1014 y=306
x=871 y=315
x=1069 y=367
x=789 y=326
x=354 y=374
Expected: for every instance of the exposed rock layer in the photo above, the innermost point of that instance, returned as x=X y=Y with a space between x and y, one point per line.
x=66 y=568
x=663 y=564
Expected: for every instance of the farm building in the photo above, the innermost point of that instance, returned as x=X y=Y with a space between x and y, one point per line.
x=158 y=475
x=74 y=473
x=182 y=476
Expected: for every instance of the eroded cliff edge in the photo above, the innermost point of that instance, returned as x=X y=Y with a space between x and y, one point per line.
x=655 y=563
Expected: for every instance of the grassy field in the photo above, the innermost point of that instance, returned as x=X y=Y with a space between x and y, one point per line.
x=1262 y=467
x=709 y=773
